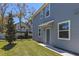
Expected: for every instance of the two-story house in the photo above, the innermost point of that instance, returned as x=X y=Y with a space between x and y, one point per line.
x=21 y=30
x=57 y=24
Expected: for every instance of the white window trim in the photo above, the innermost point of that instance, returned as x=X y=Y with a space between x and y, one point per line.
x=68 y=30
x=49 y=11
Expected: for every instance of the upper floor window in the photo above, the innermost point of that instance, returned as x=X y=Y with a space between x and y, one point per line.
x=64 y=30
x=47 y=11
x=41 y=15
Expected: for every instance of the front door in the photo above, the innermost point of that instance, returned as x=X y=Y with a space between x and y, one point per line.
x=47 y=36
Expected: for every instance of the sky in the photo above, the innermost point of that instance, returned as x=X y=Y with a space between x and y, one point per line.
x=36 y=6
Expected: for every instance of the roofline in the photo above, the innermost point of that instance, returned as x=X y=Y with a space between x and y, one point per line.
x=40 y=9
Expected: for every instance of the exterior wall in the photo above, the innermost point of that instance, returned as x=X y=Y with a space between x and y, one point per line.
x=60 y=12
x=37 y=21
x=64 y=12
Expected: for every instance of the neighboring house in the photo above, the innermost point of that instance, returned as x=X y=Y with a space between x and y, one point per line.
x=30 y=27
x=57 y=24
x=21 y=30
x=29 y=24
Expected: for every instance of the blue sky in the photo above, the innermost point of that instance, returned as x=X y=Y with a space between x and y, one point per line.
x=36 y=6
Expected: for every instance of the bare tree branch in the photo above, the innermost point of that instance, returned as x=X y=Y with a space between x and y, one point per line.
x=3 y=7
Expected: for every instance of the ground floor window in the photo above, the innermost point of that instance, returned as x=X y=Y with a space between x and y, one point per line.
x=39 y=32
x=64 y=30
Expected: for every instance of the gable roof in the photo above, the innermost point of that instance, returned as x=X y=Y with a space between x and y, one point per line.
x=40 y=9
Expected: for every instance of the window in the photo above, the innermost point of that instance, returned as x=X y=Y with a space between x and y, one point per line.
x=47 y=10
x=39 y=32
x=64 y=30
x=41 y=15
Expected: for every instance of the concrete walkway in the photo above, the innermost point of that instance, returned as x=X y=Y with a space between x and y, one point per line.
x=59 y=51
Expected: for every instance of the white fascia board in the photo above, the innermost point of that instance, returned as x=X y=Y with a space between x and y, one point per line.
x=44 y=24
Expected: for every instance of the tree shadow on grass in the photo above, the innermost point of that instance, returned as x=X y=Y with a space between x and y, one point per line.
x=8 y=47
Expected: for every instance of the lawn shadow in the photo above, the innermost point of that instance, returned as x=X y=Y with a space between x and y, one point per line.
x=8 y=47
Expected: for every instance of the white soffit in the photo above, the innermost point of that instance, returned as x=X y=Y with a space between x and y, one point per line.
x=47 y=23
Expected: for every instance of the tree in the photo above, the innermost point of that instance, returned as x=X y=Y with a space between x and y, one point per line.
x=20 y=14
x=24 y=12
x=3 y=8
x=10 y=33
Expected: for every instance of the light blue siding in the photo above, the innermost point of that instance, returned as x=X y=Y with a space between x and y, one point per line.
x=60 y=12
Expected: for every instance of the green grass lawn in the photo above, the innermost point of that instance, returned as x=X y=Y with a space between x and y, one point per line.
x=26 y=48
